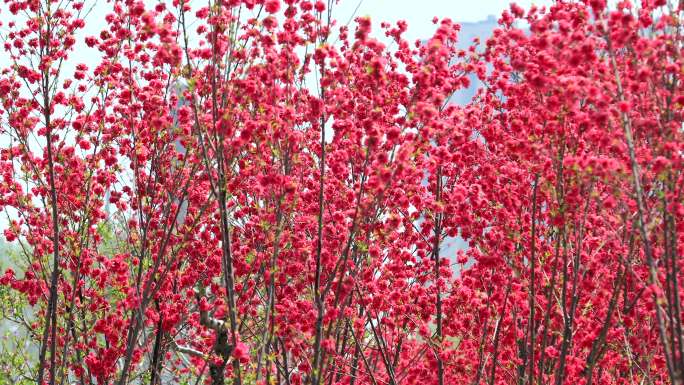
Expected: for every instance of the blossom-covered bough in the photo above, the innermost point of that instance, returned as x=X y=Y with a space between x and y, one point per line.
x=281 y=188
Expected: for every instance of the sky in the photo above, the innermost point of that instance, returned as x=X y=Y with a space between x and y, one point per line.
x=419 y=13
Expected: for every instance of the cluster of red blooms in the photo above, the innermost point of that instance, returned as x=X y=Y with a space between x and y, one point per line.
x=241 y=191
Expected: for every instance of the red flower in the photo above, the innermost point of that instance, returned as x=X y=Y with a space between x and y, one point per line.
x=272 y=6
x=241 y=352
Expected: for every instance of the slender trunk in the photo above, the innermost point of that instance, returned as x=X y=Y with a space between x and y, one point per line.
x=497 y=332
x=554 y=270
x=318 y=299
x=50 y=330
x=438 y=294
x=155 y=366
x=533 y=266
x=598 y=346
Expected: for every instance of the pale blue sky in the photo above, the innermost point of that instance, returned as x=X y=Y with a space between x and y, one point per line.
x=419 y=13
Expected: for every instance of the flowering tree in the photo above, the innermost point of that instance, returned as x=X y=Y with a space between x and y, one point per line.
x=241 y=191
x=584 y=114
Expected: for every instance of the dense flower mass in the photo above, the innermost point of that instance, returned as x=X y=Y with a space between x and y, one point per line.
x=249 y=192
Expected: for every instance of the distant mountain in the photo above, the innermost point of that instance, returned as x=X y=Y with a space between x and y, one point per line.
x=479 y=29
x=470 y=31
